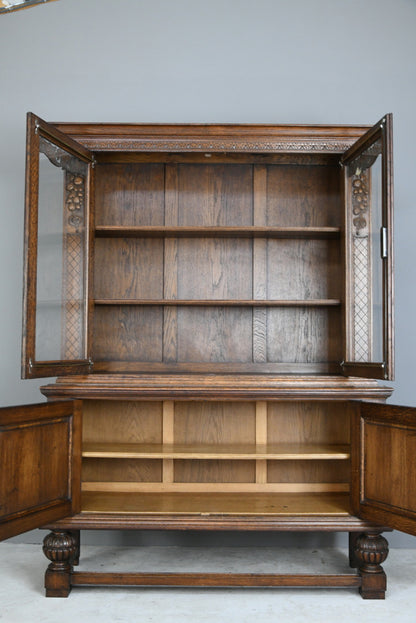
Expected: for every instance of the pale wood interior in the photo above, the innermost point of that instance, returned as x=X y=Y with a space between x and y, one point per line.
x=284 y=504
x=192 y=448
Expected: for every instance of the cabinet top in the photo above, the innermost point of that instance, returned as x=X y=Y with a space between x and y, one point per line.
x=228 y=387
x=236 y=138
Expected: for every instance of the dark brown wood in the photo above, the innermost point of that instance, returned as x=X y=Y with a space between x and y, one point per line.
x=31 y=368
x=306 y=139
x=388 y=474
x=152 y=231
x=218 y=279
x=214 y=579
x=41 y=451
x=377 y=141
x=370 y=550
x=215 y=387
x=61 y=548
x=76 y=535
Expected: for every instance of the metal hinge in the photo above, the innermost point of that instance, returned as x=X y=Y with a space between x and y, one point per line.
x=383 y=242
x=90 y=364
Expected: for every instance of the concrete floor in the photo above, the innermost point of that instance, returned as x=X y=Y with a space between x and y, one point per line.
x=22 y=599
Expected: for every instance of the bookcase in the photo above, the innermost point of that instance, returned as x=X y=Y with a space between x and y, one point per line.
x=216 y=304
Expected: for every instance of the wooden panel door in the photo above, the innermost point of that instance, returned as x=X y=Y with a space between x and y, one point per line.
x=369 y=293
x=387 y=488
x=58 y=191
x=40 y=449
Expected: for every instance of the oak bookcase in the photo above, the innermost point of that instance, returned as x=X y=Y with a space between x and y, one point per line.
x=216 y=302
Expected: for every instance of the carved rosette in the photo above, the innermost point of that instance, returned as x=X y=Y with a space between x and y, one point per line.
x=60 y=548
x=360 y=202
x=371 y=550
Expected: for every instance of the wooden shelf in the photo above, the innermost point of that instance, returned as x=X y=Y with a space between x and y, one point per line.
x=114 y=231
x=186 y=488
x=260 y=504
x=282 y=452
x=223 y=302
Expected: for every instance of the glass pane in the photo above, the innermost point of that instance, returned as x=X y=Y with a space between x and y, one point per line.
x=60 y=286
x=366 y=311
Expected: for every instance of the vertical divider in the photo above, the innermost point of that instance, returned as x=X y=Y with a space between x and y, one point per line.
x=261 y=439
x=168 y=437
x=259 y=265
x=170 y=266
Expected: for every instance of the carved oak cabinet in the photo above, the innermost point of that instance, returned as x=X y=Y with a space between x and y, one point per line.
x=216 y=302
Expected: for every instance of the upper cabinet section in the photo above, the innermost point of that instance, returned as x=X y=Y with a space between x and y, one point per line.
x=210 y=249
x=369 y=254
x=56 y=253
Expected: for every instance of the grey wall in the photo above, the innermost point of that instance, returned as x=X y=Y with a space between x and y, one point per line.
x=266 y=61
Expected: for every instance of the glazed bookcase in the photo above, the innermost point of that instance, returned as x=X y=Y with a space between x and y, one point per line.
x=216 y=304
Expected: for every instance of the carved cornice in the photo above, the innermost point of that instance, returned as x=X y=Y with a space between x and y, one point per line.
x=212 y=145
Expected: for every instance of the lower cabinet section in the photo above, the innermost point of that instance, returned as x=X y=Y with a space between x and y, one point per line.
x=217 y=465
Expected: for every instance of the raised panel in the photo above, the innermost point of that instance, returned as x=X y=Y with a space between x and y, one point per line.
x=388 y=473
x=40 y=449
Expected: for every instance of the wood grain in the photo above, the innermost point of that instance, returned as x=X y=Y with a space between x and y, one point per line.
x=122 y=422
x=215 y=195
x=128 y=333
x=128 y=268
x=303 y=196
x=129 y=194
x=235 y=451
x=216 y=503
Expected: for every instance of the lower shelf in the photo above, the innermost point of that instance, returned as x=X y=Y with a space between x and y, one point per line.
x=281 y=504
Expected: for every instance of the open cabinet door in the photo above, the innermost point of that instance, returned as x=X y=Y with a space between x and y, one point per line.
x=40 y=449
x=387 y=466
x=55 y=310
x=368 y=184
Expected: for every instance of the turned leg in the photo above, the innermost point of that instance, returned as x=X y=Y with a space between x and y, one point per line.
x=352 y=539
x=371 y=549
x=60 y=548
x=77 y=538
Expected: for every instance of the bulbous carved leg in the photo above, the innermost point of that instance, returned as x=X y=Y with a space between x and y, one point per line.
x=371 y=549
x=60 y=548
x=353 y=536
x=77 y=538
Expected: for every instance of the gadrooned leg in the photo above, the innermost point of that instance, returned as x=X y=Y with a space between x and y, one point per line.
x=60 y=548
x=77 y=538
x=371 y=549
x=352 y=539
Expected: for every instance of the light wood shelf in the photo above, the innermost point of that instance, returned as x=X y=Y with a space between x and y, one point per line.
x=283 y=451
x=215 y=487
x=191 y=503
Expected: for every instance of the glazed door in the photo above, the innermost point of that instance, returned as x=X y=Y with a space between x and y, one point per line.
x=40 y=449
x=368 y=177
x=58 y=190
x=387 y=489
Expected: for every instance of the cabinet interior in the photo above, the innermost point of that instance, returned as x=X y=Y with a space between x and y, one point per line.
x=219 y=263
x=244 y=457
